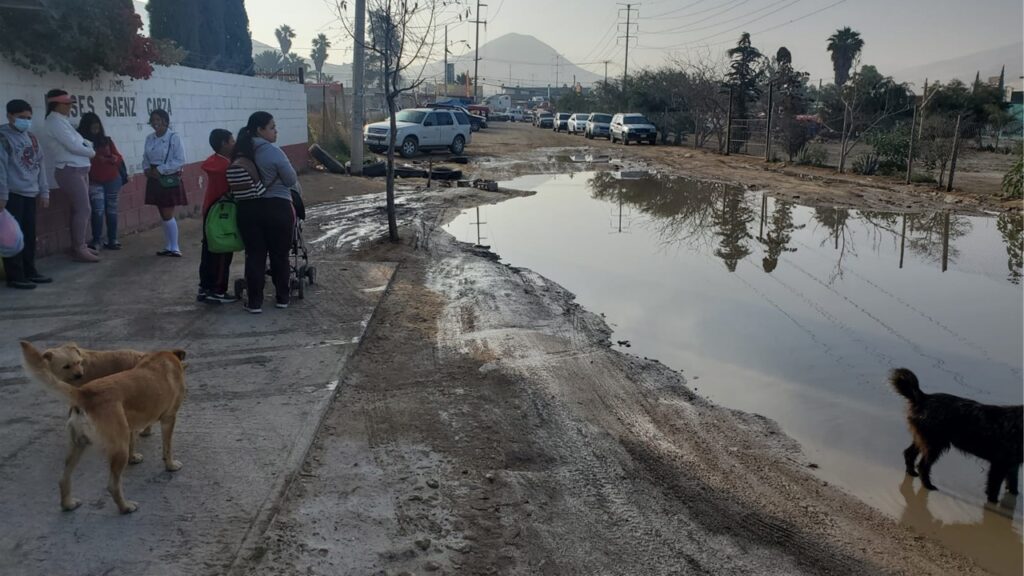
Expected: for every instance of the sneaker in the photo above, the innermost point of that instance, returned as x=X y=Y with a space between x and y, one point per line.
x=252 y=310
x=38 y=278
x=201 y=295
x=281 y=305
x=115 y=245
x=221 y=298
x=21 y=284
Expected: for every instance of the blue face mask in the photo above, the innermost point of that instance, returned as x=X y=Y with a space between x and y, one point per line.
x=22 y=124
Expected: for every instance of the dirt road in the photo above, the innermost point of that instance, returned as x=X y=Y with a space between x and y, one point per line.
x=486 y=426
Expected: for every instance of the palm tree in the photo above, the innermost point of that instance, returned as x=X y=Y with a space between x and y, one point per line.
x=284 y=35
x=845 y=45
x=319 y=54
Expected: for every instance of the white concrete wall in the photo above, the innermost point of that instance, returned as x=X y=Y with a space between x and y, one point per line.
x=197 y=100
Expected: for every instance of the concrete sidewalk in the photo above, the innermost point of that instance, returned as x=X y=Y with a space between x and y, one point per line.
x=258 y=387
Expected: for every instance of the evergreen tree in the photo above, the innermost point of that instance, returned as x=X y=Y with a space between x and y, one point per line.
x=214 y=33
x=237 y=41
x=745 y=73
x=178 y=21
x=212 y=36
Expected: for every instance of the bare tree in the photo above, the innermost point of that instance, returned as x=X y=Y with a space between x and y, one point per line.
x=868 y=100
x=404 y=36
x=702 y=90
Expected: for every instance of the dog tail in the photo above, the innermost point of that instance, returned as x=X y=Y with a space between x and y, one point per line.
x=34 y=364
x=905 y=382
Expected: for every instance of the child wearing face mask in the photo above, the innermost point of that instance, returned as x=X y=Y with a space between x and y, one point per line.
x=23 y=185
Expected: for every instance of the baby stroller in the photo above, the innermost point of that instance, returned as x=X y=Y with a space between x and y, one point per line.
x=300 y=271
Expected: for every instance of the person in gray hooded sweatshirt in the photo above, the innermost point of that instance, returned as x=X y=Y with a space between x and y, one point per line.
x=23 y=183
x=266 y=223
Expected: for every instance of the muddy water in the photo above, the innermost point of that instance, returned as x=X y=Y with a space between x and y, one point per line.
x=797 y=313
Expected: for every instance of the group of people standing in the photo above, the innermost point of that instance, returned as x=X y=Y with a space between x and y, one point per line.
x=90 y=170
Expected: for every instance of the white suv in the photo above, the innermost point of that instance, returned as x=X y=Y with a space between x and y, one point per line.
x=637 y=127
x=421 y=129
x=577 y=122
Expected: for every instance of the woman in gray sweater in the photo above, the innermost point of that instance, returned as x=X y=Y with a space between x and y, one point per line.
x=266 y=222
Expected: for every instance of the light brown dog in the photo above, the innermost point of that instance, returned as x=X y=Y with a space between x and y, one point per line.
x=78 y=366
x=111 y=409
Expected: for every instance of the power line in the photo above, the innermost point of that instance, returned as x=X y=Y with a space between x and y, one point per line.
x=743 y=25
x=690 y=27
x=725 y=7
x=673 y=11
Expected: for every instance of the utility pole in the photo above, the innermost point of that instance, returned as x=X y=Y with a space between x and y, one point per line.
x=629 y=35
x=768 y=126
x=445 y=60
x=476 y=57
x=358 y=63
x=606 y=71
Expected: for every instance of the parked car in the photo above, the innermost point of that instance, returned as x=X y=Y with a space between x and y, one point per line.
x=597 y=125
x=577 y=122
x=545 y=120
x=518 y=115
x=477 y=122
x=421 y=129
x=636 y=127
x=561 y=122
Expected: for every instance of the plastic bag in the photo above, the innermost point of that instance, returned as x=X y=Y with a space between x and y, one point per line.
x=12 y=241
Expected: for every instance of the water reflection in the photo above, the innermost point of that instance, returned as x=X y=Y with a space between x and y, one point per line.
x=699 y=213
x=1011 y=226
x=993 y=540
x=779 y=234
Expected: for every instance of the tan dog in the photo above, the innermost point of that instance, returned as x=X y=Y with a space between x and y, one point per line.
x=111 y=409
x=78 y=366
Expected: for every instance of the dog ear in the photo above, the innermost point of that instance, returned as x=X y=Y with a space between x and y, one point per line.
x=48 y=355
x=179 y=353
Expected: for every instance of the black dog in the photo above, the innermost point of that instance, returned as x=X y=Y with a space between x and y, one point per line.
x=995 y=433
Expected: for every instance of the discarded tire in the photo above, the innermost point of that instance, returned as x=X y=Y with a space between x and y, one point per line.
x=445 y=173
x=371 y=170
x=321 y=156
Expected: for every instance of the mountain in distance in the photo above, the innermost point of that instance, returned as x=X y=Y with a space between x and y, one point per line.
x=987 y=62
x=517 y=60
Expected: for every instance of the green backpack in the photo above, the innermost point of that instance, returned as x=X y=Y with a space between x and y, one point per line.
x=222 y=235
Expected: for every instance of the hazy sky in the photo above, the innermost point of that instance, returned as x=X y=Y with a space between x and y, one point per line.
x=897 y=33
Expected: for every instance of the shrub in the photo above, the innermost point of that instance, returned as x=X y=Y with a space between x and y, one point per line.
x=866 y=164
x=1013 y=182
x=812 y=154
x=891 y=147
x=82 y=39
x=920 y=178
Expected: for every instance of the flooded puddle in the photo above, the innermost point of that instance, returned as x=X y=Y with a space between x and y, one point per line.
x=797 y=313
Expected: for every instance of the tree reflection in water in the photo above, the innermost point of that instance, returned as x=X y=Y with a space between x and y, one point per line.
x=1011 y=226
x=702 y=214
x=779 y=234
x=685 y=211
